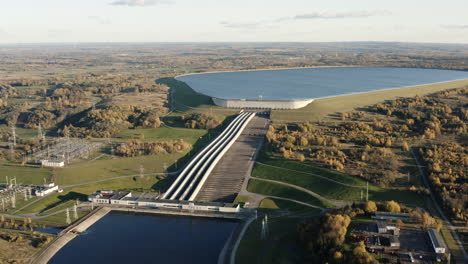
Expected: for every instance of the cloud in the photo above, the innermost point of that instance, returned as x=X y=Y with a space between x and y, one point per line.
x=315 y=15
x=455 y=26
x=100 y=20
x=247 y=25
x=338 y=15
x=139 y=2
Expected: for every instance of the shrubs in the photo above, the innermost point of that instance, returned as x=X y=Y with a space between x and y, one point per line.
x=136 y=148
x=109 y=121
x=201 y=121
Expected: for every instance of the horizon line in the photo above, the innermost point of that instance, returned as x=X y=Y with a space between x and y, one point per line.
x=225 y=42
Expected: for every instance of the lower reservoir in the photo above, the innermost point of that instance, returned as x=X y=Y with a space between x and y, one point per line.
x=121 y=237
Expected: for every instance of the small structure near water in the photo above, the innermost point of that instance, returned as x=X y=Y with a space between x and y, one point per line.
x=152 y=201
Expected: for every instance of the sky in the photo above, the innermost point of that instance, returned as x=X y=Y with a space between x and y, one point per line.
x=46 y=21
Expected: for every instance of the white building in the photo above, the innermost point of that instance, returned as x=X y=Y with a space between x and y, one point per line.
x=53 y=163
x=46 y=189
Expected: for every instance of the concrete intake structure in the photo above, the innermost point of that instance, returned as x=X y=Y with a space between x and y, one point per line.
x=190 y=181
x=261 y=104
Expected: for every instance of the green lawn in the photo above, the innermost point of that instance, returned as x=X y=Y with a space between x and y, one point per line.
x=318 y=185
x=273 y=189
x=292 y=172
x=23 y=132
x=60 y=219
x=295 y=208
x=102 y=169
x=146 y=183
x=280 y=246
x=24 y=174
x=163 y=134
x=64 y=205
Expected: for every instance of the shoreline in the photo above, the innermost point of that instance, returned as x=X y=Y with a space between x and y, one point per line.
x=314 y=98
x=271 y=69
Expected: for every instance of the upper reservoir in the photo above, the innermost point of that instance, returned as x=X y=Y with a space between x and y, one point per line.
x=312 y=83
x=127 y=238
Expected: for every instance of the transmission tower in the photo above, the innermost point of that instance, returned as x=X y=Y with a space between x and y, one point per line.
x=13 y=200
x=12 y=150
x=367 y=191
x=68 y=217
x=13 y=131
x=39 y=131
x=75 y=212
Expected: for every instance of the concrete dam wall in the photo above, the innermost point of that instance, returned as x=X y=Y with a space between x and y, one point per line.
x=261 y=104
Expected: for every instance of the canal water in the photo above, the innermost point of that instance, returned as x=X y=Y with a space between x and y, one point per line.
x=311 y=83
x=128 y=238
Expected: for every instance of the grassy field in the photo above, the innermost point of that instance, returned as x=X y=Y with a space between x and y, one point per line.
x=273 y=189
x=24 y=174
x=103 y=169
x=22 y=132
x=162 y=134
x=307 y=176
x=295 y=208
x=146 y=183
x=325 y=109
x=280 y=246
x=59 y=219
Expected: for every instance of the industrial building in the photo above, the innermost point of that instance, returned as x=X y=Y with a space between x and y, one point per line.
x=391 y=216
x=152 y=201
x=46 y=189
x=437 y=242
x=53 y=163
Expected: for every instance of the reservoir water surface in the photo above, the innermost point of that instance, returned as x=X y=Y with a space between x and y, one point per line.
x=311 y=83
x=128 y=238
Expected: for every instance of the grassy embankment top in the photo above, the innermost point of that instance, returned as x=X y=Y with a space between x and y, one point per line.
x=327 y=109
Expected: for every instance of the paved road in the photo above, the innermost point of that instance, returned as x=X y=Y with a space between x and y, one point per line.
x=318 y=196
x=36 y=216
x=436 y=205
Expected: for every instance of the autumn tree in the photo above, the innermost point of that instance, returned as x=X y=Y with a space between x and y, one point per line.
x=370 y=207
x=392 y=206
x=361 y=255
